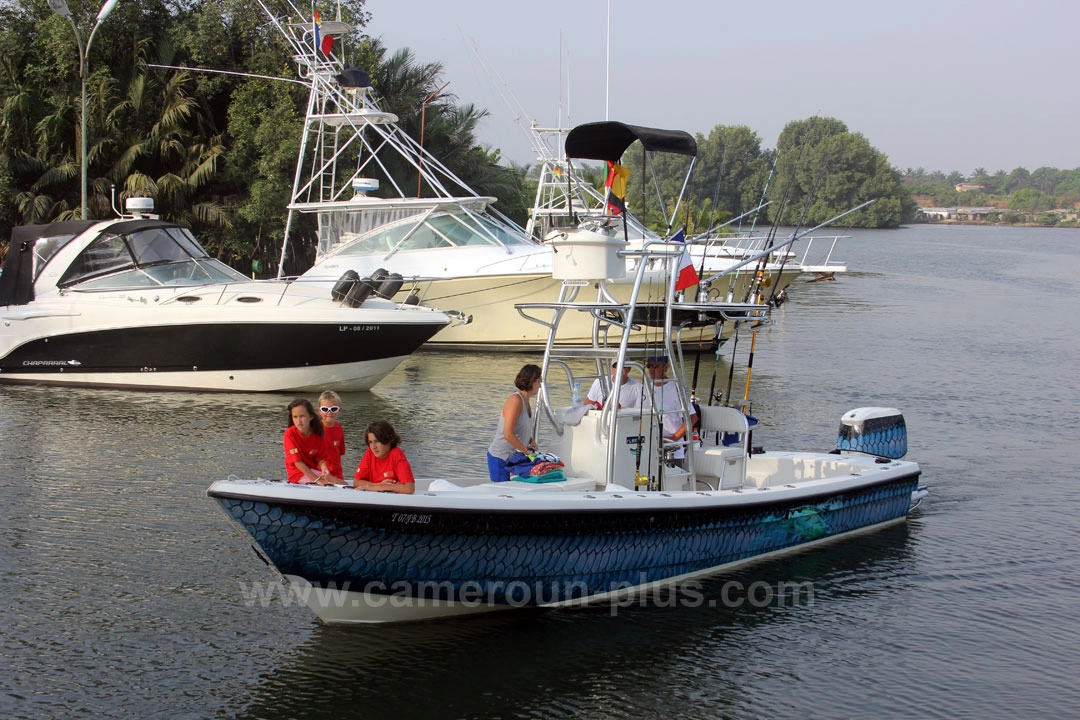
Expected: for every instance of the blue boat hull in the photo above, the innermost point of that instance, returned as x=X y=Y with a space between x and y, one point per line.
x=522 y=558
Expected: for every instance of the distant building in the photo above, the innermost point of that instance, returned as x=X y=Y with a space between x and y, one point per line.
x=935 y=213
x=974 y=213
x=962 y=214
x=968 y=187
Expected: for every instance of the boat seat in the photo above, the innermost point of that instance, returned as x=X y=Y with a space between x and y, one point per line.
x=715 y=460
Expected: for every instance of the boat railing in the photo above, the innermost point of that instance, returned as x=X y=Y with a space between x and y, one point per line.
x=828 y=262
x=611 y=315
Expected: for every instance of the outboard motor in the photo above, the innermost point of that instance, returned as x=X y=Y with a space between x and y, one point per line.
x=873 y=431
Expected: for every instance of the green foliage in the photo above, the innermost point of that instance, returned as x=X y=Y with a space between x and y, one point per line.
x=218 y=151
x=1029 y=200
x=824 y=170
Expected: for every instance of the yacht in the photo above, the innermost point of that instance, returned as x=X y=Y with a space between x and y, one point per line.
x=136 y=302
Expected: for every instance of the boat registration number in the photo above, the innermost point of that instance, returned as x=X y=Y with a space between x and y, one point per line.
x=357 y=328
x=411 y=518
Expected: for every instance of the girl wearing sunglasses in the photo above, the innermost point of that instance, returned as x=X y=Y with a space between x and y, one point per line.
x=333 y=433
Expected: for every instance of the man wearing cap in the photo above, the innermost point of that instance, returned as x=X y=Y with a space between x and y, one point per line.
x=631 y=393
x=666 y=397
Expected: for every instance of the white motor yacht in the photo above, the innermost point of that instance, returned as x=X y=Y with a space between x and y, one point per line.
x=136 y=302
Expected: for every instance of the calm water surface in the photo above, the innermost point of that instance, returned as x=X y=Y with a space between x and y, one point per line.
x=121 y=583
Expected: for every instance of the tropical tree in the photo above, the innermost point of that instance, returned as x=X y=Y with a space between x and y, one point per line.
x=1029 y=200
x=823 y=170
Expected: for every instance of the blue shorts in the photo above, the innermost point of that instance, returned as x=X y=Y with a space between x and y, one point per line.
x=497 y=469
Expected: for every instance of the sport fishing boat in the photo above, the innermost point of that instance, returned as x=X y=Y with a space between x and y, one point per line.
x=136 y=302
x=564 y=198
x=385 y=204
x=614 y=513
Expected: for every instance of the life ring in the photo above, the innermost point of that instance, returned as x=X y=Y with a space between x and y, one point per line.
x=344 y=285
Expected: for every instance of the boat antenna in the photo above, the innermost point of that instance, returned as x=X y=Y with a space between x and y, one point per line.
x=607 y=66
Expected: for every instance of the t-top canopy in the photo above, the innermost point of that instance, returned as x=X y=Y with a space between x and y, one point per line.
x=609 y=140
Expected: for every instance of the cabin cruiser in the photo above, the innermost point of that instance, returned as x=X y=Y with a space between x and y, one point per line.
x=136 y=302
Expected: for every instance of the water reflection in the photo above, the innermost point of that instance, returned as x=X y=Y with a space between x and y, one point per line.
x=582 y=662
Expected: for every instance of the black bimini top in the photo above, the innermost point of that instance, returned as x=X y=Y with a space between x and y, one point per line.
x=609 y=140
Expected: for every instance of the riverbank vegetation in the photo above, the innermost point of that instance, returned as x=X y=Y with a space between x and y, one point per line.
x=1045 y=196
x=217 y=150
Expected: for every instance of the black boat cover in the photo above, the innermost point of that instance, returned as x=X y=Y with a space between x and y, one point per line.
x=608 y=140
x=17 y=278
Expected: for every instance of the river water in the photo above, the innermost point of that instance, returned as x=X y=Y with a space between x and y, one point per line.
x=126 y=593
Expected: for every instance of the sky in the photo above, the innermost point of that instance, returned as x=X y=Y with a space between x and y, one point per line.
x=943 y=85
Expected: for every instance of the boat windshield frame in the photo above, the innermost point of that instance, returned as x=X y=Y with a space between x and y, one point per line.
x=142 y=255
x=439 y=228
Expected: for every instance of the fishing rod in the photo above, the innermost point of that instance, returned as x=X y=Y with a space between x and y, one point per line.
x=765 y=190
x=749 y=370
x=731 y=368
x=712 y=211
x=716 y=364
x=770 y=238
x=723 y=225
x=806 y=209
x=789 y=241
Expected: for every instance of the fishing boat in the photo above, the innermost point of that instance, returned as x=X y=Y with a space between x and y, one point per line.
x=136 y=302
x=564 y=198
x=383 y=203
x=622 y=515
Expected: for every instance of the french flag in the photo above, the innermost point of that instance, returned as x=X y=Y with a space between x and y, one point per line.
x=688 y=276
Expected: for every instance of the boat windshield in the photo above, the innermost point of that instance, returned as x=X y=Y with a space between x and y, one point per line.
x=440 y=230
x=145 y=258
x=45 y=248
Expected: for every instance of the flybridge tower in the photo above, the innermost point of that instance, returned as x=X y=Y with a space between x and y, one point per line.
x=352 y=148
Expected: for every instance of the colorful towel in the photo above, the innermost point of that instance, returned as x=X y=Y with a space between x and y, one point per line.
x=551 y=476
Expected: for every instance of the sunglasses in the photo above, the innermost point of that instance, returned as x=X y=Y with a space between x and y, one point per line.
x=331 y=409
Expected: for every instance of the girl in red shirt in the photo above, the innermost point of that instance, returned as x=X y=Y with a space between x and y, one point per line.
x=305 y=454
x=384 y=467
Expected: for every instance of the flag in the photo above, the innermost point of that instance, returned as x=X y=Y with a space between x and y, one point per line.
x=615 y=183
x=688 y=276
x=323 y=42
